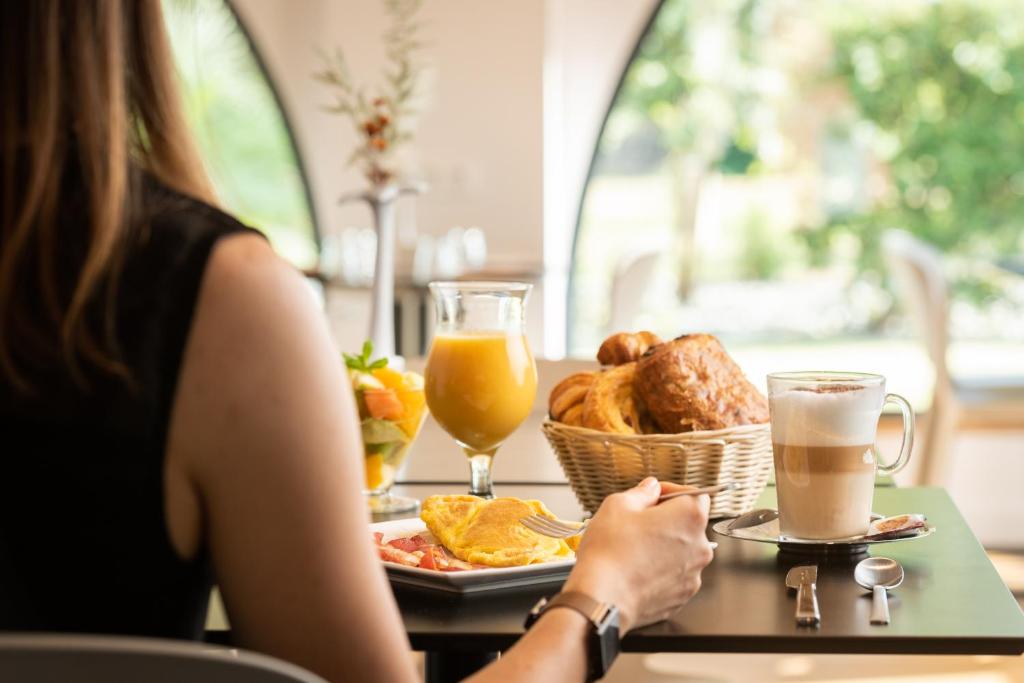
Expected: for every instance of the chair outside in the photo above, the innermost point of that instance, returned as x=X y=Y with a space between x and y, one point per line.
x=55 y=658
x=916 y=268
x=630 y=284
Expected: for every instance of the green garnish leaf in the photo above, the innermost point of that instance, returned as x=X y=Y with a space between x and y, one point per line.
x=362 y=362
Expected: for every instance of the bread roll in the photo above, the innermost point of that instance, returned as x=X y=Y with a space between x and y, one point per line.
x=569 y=394
x=610 y=405
x=691 y=384
x=625 y=347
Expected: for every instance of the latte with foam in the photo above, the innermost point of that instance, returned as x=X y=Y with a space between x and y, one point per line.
x=823 y=439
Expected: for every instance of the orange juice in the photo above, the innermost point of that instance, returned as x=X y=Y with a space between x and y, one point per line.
x=480 y=386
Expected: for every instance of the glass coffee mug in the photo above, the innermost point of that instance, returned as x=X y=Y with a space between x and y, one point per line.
x=823 y=437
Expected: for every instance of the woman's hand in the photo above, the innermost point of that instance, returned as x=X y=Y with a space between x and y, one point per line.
x=643 y=557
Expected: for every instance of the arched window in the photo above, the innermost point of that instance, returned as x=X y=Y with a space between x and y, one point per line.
x=241 y=129
x=754 y=154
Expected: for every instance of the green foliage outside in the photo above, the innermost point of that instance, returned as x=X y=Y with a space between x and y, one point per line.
x=943 y=93
x=697 y=108
x=238 y=126
x=936 y=106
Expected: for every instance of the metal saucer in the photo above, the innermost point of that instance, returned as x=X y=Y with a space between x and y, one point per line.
x=841 y=547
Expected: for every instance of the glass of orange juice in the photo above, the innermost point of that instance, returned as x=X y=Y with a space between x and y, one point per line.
x=481 y=379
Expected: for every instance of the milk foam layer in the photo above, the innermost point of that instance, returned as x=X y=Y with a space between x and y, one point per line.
x=809 y=418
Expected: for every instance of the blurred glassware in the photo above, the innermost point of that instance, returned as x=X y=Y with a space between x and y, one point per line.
x=329 y=264
x=474 y=244
x=447 y=259
x=423 y=260
x=392 y=408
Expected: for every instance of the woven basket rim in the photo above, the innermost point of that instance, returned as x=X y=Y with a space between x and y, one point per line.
x=716 y=434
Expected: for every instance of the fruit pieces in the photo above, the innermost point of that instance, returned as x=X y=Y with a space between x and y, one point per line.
x=406 y=389
x=383 y=404
x=391 y=406
x=389 y=377
x=374 y=465
x=414 y=402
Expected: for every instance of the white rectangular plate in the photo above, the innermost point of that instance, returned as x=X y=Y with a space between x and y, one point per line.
x=471 y=580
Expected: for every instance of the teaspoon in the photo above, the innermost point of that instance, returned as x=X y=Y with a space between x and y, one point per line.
x=753 y=518
x=878 y=574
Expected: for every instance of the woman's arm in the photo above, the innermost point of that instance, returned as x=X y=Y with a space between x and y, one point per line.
x=265 y=432
x=264 y=425
x=640 y=556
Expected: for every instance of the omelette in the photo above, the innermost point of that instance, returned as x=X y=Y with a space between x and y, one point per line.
x=488 y=532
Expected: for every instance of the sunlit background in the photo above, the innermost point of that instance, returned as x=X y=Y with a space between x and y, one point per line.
x=240 y=126
x=777 y=172
x=757 y=151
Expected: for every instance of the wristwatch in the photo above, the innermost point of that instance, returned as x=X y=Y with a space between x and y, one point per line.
x=603 y=641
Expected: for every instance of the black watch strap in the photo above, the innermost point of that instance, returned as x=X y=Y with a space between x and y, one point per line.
x=603 y=641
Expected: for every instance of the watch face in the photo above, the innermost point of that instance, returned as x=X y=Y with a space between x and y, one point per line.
x=610 y=621
x=604 y=646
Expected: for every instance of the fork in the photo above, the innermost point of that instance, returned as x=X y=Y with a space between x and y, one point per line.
x=556 y=528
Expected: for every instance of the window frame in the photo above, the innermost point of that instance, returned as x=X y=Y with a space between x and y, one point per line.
x=644 y=33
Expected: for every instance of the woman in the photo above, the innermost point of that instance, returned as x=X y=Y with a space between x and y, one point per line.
x=172 y=407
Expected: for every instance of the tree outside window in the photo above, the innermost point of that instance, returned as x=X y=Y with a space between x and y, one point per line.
x=239 y=126
x=760 y=147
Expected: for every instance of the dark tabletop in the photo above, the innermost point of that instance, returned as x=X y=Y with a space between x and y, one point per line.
x=951 y=602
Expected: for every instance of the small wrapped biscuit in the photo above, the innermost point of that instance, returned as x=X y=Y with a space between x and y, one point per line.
x=626 y=347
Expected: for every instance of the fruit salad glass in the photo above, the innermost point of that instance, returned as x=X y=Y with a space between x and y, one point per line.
x=392 y=407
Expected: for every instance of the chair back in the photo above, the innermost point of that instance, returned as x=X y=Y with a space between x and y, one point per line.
x=49 y=658
x=629 y=286
x=916 y=268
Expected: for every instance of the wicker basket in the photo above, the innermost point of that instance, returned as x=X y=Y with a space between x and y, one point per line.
x=598 y=464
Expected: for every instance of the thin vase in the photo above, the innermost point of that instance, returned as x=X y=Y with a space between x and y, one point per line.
x=382 y=200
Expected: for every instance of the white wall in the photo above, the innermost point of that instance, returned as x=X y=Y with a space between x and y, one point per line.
x=480 y=133
x=514 y=98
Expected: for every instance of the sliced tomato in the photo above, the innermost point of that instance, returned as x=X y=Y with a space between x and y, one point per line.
x=378 y=538
x=384 y=404
x=442 y=560
x=407 y=544
x=457 y=565
x=390 y=554
x=429 y=559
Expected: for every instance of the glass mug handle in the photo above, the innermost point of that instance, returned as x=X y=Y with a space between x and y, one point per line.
x=908 y=435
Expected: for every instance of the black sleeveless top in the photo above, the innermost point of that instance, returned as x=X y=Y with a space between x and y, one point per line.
x=84 y=545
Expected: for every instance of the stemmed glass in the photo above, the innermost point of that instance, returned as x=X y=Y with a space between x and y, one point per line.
x=392 y=408
x=481 y=379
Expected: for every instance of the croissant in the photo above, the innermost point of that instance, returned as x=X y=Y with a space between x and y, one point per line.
x=691 y=384
x=610 y=405
x=565 y=403
x=625 y=347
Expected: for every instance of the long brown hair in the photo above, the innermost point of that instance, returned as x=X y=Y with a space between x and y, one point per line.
x=89 y=100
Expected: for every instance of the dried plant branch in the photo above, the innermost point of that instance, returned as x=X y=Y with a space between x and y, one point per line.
x=380 y=121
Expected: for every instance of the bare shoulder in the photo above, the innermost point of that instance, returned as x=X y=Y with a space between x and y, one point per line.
x=258 y=350
x=253 y=304
x=243 y=270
